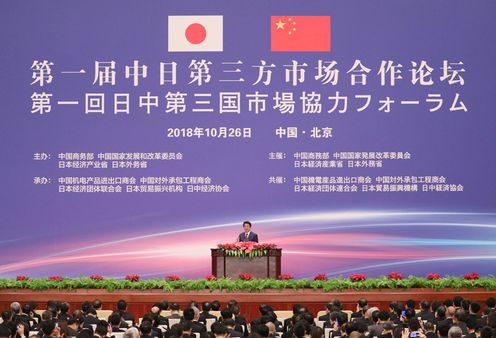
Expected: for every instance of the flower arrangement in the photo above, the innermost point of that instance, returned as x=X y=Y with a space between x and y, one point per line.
x=320 y=276
x=245 y=276
x=172 y=278
x=133 y=278
x=433 y=276
x=471 y=276
x=22 y=278
x=96 y=277
x=285 y=276
x=246 y=249
x=395 y=276
x=210 y=277
x=55 y=278
x=357 y=277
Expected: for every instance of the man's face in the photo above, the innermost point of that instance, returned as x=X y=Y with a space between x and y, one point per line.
x=246 y=227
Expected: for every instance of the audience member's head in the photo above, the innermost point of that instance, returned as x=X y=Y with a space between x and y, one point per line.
x=121 y=305
x=455 y=332
x=97 y=304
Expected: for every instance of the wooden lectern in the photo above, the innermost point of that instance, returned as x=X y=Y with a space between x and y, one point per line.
x=267 y=266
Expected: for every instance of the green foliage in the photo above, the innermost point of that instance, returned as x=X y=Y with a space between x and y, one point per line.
x=255 y=285
x=243 y=253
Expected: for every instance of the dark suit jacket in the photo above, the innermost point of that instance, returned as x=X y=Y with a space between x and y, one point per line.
x=324 y=318
x=197 y=327
x=252 y=237
x=204 y=315
x=235 y=334
x=90 y=320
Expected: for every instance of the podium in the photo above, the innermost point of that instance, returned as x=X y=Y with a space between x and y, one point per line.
x=266 y=266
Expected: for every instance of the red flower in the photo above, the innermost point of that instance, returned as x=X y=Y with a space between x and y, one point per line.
x=245 y=276
x=471 y=276
x=210 y=277
x=320 y=276
x=357 y=277
x=96 y=277
x=172 y=277
x=285 y=276
x=22 y=278
x=433 y=276
x=133 y=278
x=246 y=247
x=55 y=278
x=395 y=276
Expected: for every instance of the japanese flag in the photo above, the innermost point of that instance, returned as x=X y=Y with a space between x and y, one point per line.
x=191 y=33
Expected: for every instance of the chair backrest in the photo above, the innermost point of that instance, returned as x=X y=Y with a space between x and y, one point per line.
x=118 y=334
x=103 y=314
x=173 y=321
x=197 y=334
x=33 y=333
x=163 y=328
x=208 y=323
x=319 y=323
x=215 y=313
x=327 y=332
x=129 y=322
x=283 y=314
x=349 y=313
x=39 y=312
x=321 y=313
x=167 y=313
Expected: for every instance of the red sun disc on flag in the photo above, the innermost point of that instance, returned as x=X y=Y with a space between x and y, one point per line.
x=196 y=33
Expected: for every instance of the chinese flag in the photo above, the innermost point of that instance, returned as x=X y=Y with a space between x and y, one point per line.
x=300 y=33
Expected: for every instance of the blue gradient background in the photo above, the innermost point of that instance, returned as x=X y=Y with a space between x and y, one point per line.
x=44 y=232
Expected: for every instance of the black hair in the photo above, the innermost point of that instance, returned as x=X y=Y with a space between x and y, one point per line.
x=219 y=329
x=475 y=307
x=215 y=305
x=85 y=306
x=457 y=301
x=296 y=308
x=226 y=313
x=189 y=314
x=247 y=222
x=121 y=305
x=263 y=330
x=206 y=306
x=97 y=303
x=164 y=305
x=26 y=308
x=47 y=327
x=176 y=330
x=64 y=307
x=146 y=327
x=101 y=328
x=234 y=309
x=186 y=325
x=115 y=318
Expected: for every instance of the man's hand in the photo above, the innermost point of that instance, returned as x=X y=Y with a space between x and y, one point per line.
x=20 y=330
